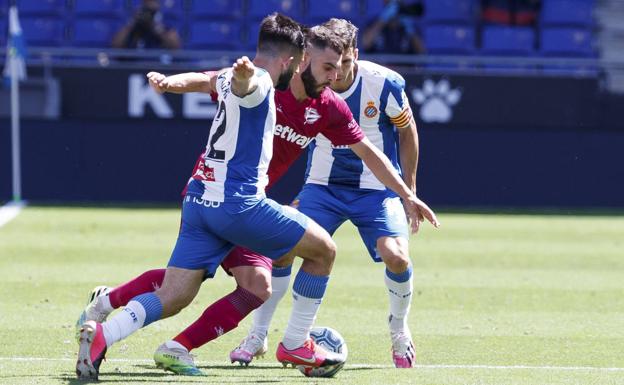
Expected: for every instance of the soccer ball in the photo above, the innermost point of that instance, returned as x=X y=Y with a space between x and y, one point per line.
x=331 y=340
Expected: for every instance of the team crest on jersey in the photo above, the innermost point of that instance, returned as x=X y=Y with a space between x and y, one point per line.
x=311 y=115
x=370 y=111
x=204 y=173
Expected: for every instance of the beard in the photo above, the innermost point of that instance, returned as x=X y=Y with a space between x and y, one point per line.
x=311 y=86
x=284 y=79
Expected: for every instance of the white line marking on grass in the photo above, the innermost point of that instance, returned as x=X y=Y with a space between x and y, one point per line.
x=9 y=211
x=357 y=366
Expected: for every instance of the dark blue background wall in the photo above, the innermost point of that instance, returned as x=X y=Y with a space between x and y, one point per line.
x=150 y=161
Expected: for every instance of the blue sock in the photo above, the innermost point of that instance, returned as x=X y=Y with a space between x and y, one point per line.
x=152 y=305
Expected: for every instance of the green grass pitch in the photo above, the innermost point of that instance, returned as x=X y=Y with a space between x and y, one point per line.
x=499 y=299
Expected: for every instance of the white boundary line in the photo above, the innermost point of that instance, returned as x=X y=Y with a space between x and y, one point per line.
x=374 y=366
x=9 y=211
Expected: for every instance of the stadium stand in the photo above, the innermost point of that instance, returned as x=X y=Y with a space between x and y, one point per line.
x=507 y=41
x=41 y=7
x=569 y=13
x=449 y=11
x=450 y=39
x=449 y=27
x=43 y=31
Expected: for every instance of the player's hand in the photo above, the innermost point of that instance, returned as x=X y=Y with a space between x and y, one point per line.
x=158 y=82
x=417 y=211
x=243 y=69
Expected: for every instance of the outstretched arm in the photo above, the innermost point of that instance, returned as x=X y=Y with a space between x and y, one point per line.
x=381 y=167
x=181 y=83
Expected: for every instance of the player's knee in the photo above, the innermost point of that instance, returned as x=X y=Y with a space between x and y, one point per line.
x=396 y=259
x=329 y=250
x=173 y=301
x=260 y=287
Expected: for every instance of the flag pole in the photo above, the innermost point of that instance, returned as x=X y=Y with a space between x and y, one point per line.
x=15 y=130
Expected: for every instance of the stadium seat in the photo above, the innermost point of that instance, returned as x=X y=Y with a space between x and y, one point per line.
x=108 y=8
x=567 y=13
x=94 y=32
x=508 y=41
x=41 y=7
x=445 y=11
x=172 y=9
x=251 y=35
x=229 y=9
x=3 y=33
x=372 y=8
x=566 y=42
x=40 y=31
x=450 y=40
x=258 y=9
x=321 y=10
x=215 y=35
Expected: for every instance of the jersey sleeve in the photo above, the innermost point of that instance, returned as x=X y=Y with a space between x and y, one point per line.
x=341 y=128
x=397 y=106
x=263 y=88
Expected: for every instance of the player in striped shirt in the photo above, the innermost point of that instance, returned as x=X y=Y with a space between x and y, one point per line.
x=339 y=186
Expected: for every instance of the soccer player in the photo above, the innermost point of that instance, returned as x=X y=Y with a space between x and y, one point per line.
x=304 y=110
x=340 y=187
x=226 y=205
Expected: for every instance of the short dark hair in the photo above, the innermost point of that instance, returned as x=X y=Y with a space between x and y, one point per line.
x=280 y=33
x=347 y=32
x=322 y=37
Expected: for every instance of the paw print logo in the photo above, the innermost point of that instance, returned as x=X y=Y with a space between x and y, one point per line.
x=436 y=101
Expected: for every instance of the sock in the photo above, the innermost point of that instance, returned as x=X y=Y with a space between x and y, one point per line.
x=140 y=312
x=280 y=279
x=308 y=291
x=144 y=283
x=219 y=318
x=400 y=295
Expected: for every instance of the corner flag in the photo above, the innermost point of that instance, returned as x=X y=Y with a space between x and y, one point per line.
x=16 y=49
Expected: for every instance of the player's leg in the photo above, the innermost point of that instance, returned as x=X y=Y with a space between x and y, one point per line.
x=103 y=301
x=382 y=224
x=252 y=274
x=282 y=230
x=197 y=253
x=394 y=252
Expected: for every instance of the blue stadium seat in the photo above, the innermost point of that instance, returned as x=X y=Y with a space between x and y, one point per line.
x=258 y=9
x=3 y=33
x=566 y=42
x=94 y=32
x=567 y=13
x=107 y=8
x=171 y=9
x=449 y=39
x=41 y=7
x=372 y=8
x=251 y=36
x=42 y=31
x=444 y=11
x=215 y=35
x=508 y=41
x=321 y=10
x=230 y=9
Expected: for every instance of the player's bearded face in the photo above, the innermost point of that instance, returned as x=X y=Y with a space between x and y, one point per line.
x=312 y=87
x=285 y=77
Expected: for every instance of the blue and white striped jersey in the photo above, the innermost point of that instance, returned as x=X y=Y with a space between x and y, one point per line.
x=240 y=143
x=378 y=102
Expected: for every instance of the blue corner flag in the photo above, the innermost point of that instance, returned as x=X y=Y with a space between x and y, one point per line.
x=16 y=49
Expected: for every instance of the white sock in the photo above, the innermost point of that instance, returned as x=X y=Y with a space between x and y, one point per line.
x=400 y=295
x=302 y=318
x=262 y=316
x=124 y=323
